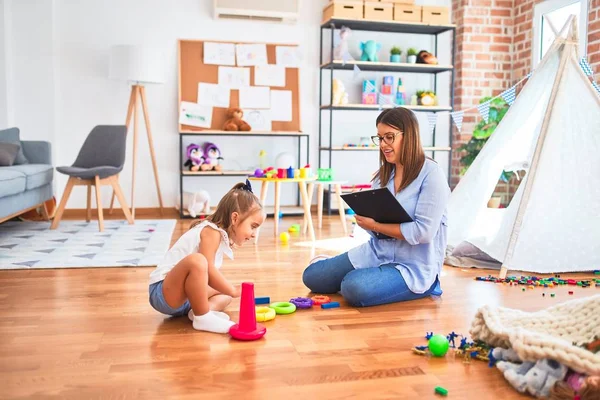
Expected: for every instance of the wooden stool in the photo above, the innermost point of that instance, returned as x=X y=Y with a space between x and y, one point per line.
x=338 y=192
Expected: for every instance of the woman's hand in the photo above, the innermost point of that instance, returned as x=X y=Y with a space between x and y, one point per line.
x=365 y=222
x=237 y=292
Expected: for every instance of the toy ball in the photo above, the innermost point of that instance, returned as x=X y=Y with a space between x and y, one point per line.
x=438 y=345
x=294 y=228
x=258 y=173
x=284 y=237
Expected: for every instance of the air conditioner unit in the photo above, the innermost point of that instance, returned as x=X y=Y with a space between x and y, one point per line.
x=262 y=10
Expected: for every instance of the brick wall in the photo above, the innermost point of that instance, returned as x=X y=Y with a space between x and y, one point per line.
x=494 y=40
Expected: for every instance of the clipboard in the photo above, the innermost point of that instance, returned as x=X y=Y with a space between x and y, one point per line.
x=379 y=204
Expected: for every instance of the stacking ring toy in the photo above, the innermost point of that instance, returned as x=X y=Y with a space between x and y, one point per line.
x=318 y=300
x=283 y=307
x=302 y=302
x=264 y=314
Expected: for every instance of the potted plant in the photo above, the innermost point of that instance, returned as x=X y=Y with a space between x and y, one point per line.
x=412 y=55
x=395 y=53
x=481 y=134
x=426 y=98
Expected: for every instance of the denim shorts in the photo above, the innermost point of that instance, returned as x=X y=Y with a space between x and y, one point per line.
x=157 y=301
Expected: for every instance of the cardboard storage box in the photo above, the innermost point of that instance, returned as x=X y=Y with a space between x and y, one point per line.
x=435 y=15
x=352 y=9
x=375 y=10
x=411 y=2
x=407 y=13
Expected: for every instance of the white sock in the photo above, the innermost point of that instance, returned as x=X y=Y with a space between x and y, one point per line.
x=217 y=313
x=211 y=323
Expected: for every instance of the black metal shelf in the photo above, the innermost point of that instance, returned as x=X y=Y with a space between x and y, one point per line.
x=243 y=134
x=377 y=107
x=389 y=26
x=387 y=67
x=373 y=148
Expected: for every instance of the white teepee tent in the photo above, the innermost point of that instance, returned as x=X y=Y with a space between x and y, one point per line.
x=552 y=223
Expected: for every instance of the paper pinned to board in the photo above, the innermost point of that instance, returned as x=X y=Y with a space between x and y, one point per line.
x=195 y=115
x=259 y=120
x=255 y=97
x=281 y=105
x=287 y=56
x=234 y=78
x=219 y=53
x=251 y=54
x=213 y=95
x=269 y=75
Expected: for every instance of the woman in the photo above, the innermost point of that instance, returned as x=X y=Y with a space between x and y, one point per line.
x=408 y=266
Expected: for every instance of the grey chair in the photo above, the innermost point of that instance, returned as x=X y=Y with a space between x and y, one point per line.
x=98 y=163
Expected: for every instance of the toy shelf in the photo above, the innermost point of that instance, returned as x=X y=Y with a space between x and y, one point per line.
x=386 y=66
x=375 y=107
x=240 y=133
x=388 y=26
x=216 y=173
x=371 y=148
x=270 y=210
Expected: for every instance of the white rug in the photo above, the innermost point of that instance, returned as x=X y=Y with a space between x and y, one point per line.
x=79 y=244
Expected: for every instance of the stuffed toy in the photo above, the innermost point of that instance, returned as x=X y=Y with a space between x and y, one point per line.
x=212 y=156
x=425 y=57
x=235 y=122
x=194 y=157
x=341 y=50
x=340 y=97
x=196 y=203
x=369 y=50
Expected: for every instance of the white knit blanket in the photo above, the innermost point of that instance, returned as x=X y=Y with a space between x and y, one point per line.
x=556 y=332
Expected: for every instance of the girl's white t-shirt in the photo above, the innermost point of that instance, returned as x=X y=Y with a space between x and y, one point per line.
x=187 y=244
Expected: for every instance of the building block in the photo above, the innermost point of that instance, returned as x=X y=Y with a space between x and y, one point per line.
x=262 y=300
x=369 y=86
x=388 y=80
x=333 y=304
x=369 y=98
x=386 y=89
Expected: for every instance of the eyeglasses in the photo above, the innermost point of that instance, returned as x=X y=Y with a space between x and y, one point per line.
x=388 y=138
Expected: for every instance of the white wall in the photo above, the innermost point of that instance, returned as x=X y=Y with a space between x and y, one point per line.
x=4 y=18
x=61 y=86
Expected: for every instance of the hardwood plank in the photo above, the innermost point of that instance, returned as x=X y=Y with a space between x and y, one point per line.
x=90 y=333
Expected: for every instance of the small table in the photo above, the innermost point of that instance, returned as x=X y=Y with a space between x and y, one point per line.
x=306 y=200
x=338 y=192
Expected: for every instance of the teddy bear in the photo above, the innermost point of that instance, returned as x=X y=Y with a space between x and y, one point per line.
x=234 y=121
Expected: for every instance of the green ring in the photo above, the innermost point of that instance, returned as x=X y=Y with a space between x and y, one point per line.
x=283 y=307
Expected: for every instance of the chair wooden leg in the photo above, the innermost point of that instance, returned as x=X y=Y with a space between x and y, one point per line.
x=119 y=193
x=311 y=189
x=88 y=213
x=44 y=211
x=338 y=194
x=320 y=190
x=263 y=198
x=99 y=203
x=63 y=203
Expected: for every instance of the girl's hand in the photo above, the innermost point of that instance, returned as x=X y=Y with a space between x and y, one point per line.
x=365 y=222
x=237 y=292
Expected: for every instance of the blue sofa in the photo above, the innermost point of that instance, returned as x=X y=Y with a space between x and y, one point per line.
x=26 y=186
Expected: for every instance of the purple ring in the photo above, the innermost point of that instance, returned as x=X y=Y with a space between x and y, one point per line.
x=302 y=302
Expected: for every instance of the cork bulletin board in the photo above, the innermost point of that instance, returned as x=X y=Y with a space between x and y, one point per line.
x=193 y=70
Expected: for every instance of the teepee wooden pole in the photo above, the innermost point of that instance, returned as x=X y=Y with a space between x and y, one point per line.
x=564 y=58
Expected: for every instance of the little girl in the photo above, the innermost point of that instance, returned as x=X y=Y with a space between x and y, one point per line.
x=188 y=281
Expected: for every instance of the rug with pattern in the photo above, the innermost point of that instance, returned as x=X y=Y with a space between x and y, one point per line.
x=79 y=244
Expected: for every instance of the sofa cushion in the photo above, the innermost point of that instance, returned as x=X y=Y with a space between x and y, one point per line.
x=11 y=181
x=37 y=174
x=12 y=135
x=8 y=153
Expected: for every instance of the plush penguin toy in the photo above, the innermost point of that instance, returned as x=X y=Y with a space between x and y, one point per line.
x=195 y=159
x=212 y=157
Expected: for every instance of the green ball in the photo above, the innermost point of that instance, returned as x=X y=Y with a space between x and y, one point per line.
x=438 y=345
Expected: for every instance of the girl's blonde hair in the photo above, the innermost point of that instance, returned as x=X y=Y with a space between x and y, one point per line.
x=239 y=199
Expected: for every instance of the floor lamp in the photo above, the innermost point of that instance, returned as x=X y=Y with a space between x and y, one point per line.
x=138 y=65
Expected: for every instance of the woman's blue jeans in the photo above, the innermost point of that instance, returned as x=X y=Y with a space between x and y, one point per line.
x=361 y=287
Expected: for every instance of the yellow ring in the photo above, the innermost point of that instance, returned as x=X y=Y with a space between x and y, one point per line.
x=264 y=314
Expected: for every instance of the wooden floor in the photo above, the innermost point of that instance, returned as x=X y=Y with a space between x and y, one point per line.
x=90 y=333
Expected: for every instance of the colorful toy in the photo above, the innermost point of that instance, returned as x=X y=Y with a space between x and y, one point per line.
x=262 y=300
x=333 y=304
x=290 y=173
x=369 y=98
x=369 y=86
x=340 y=96
x=302 y=302
x=400 y=94
x=294 y=228
x=247 y=328
x=283 y=307
x=441 y=391
x=212 y=157
x=325 y=174
x=265 y=314
x=318 y=300
x=369 y=50
x=284 y=237
x=235 y=122
x=438 y=345
x=259 y=173
x=195 y=157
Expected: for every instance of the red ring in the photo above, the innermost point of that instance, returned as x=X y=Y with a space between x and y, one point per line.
x=318 y=300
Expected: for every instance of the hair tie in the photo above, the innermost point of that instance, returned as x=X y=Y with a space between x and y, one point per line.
x=247 y=186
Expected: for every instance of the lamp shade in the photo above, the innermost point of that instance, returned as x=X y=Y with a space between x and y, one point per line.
x=137 y=63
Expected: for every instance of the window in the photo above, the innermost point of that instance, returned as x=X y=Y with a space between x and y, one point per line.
x=548 y=19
